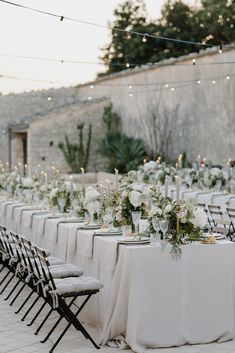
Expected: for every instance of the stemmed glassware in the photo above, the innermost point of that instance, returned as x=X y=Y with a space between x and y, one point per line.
x=108 y=217
x=61 y=203
x=155 y=239
x=164 y=224
x=136 y=215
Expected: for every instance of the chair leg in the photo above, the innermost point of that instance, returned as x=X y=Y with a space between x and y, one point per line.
x=23 y=304
x=12 y=302
x=2 y=268
x=13 y=289
x=57 y=323
x=37 y=314
x=8 y=282
x=79 y=326
x=5 y=277
x=43 y=322
x=30 y=308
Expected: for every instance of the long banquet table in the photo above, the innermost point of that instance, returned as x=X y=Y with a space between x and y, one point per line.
x=148 y=297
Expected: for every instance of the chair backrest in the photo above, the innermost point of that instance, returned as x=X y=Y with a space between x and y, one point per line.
x=44 y=267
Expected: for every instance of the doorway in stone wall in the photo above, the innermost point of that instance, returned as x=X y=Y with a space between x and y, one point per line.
x=19 y=148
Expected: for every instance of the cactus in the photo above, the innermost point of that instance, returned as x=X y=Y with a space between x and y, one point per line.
x=77 y=154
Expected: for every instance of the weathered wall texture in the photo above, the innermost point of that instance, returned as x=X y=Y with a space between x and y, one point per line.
x=15 y=107
x=196 y=117
x=45 y=133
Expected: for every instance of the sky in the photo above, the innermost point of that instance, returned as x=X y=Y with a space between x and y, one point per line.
x=27 y=33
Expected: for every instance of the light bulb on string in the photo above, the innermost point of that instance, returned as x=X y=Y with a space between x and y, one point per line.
x=127 y=65
x=49 y=99
x=130 y=95
x=220 y=49
x=144 y=40
x=194 y=61
x=172 y=89
x=166 y=85
x=198 y=82
x=61 y=18
x=91 y=86
x=214 y=82
x=228 y=78
x=130 y=86
x=89 y=98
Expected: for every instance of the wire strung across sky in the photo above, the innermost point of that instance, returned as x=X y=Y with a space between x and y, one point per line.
x=126 y=65
x=115 y=29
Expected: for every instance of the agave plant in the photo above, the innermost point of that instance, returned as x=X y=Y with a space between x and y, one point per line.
x=123 y=152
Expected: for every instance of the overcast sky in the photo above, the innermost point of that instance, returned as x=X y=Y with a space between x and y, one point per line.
x=27 y=33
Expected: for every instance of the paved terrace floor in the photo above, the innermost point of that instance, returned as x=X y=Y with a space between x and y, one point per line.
x=16 y=337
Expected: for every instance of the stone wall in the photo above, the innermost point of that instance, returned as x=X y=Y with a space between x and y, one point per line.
x=197 y=117
x=45 y=133
x=17 y=107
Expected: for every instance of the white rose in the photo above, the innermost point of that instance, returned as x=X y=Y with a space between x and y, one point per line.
x=27 y=182
x=168 y=209
x=150 y=165
x=137 y=187
x=155 y=211
x=135 y=198
x=200 y=219
x=53 y=193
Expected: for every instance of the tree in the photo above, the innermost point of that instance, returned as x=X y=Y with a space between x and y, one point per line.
x=211 y=23
x=125 y=48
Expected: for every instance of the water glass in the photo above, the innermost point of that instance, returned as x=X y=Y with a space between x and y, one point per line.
x=164 y=227
x=155 y=239
x=61 y=203
x=135 y=219
x=126 y=230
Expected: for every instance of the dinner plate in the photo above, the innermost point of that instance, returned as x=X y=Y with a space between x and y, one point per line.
x=217 y=236
x=108 y=233
x=135 y=241
x=90 y=226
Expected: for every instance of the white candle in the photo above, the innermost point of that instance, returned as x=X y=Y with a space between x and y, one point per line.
x=26 y=170
x=7 y=166
x=145 y=161
x=46 y=180
x=71 y=183
x=116 y=177
x=83 y=181
x=177 y=183
x=166 y=186
x=199 y=161
x=20 y=165
x=180 y=161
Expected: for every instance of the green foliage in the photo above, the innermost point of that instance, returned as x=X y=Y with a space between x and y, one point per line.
x=123 y=152
x=77 y=154
x=212 y=22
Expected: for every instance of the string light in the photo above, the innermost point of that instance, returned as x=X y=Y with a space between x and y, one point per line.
x=214 y=82
x=166 y=85
x=172 y=89
x=130 y=87
x=89 y=98
x=61 y=18
x=91 y=86
x=114 y=29
x=144 y=40
x=227 y=77
x=194 y=61
x=127 y=65
x=130 y=95
x=49 y=98
x=199 y=82
x=220 y=49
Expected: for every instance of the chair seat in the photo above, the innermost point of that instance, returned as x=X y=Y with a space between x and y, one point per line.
x=73 y=285
x=65 y=270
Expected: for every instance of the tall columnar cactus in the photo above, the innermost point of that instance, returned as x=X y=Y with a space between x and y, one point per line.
x=84 y=151
x=77 y=154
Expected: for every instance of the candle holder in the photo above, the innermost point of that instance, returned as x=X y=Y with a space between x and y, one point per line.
x=177 y=219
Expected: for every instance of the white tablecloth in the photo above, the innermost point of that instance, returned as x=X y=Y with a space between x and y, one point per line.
x=149 y=298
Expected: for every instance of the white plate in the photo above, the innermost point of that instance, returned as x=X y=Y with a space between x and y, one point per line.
x=130 y=240
x=108 y=233
x=217 y=236
x=90 y=226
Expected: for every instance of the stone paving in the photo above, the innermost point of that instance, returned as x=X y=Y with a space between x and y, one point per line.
x=17 y=337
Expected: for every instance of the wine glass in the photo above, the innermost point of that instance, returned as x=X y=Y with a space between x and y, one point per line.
x=164 y=227
x=108 y=217
x=61 y=203
x=155 y=239
x=135 y=219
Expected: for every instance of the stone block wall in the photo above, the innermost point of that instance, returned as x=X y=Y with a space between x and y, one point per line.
x=197 y=113
x=44 y=135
